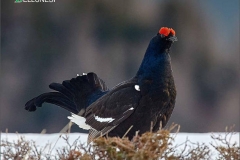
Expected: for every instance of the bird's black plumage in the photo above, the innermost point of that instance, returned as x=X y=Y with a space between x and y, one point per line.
x=147 y=98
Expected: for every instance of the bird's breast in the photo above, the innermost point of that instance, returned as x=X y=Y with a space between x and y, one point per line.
x=157 y=92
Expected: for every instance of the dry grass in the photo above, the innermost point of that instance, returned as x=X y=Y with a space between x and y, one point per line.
x=151 y=146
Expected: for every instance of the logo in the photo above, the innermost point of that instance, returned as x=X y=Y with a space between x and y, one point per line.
x=18 y=1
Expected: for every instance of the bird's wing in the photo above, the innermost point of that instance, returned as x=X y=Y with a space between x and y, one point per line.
x=112 y=108
x=73 y=95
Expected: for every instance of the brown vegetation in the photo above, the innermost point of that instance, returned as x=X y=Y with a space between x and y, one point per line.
x=150 y=145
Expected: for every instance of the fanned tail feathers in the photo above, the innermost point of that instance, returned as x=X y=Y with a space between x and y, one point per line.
x=73 y=95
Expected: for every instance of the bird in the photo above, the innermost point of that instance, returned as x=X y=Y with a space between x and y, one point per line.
x=145 y=101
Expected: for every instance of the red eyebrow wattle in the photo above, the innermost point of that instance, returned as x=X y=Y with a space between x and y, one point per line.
x=165 y=31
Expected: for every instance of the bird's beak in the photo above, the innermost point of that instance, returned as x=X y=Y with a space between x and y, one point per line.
x=173 y=38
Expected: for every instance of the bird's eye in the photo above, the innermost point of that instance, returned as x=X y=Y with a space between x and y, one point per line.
x=162 y=36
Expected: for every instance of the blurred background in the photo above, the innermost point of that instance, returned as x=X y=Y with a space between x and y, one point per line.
x=43 y=43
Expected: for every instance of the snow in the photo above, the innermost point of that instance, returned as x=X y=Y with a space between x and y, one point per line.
x=58 y=142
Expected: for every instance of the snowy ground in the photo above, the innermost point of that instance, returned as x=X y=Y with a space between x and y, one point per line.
x=57 y=142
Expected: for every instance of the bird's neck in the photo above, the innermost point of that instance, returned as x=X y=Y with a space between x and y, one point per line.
x=155 y=65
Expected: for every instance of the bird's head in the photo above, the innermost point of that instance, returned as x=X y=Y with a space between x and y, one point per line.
x=165 y=36
x=157 y=52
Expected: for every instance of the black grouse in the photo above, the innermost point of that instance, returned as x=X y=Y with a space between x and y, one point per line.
x=143 y=101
